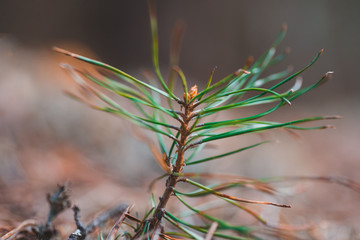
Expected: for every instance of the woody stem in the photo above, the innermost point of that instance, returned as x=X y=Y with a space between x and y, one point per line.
x=177 y=168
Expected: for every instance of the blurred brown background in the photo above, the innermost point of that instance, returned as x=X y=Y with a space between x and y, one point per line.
x=47 y=138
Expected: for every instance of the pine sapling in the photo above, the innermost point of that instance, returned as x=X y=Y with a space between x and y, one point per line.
x=183 y=122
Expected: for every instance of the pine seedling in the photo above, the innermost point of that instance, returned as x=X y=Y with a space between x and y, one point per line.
x=181 y=125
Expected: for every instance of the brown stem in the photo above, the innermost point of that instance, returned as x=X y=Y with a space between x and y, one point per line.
x=172 y=180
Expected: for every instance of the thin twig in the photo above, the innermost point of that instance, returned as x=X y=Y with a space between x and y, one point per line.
x=103 y=218
x=115 y=228
x=80 y=232
x=131 y=217
x=15 y=231
x=59 y=201
x=211 y=231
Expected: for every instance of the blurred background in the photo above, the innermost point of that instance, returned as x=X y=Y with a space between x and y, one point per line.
x=46 y=138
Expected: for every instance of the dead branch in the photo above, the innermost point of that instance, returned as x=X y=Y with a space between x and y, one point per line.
x=115 y=228
x=103 y=218
x=81 y=232
x=58 y=202
x=14 y=232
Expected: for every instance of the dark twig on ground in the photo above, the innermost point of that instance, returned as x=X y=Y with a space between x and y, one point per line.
x=59 y=201
x=81 y=232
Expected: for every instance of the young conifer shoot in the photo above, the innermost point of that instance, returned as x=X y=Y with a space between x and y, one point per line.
x=182 y=130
